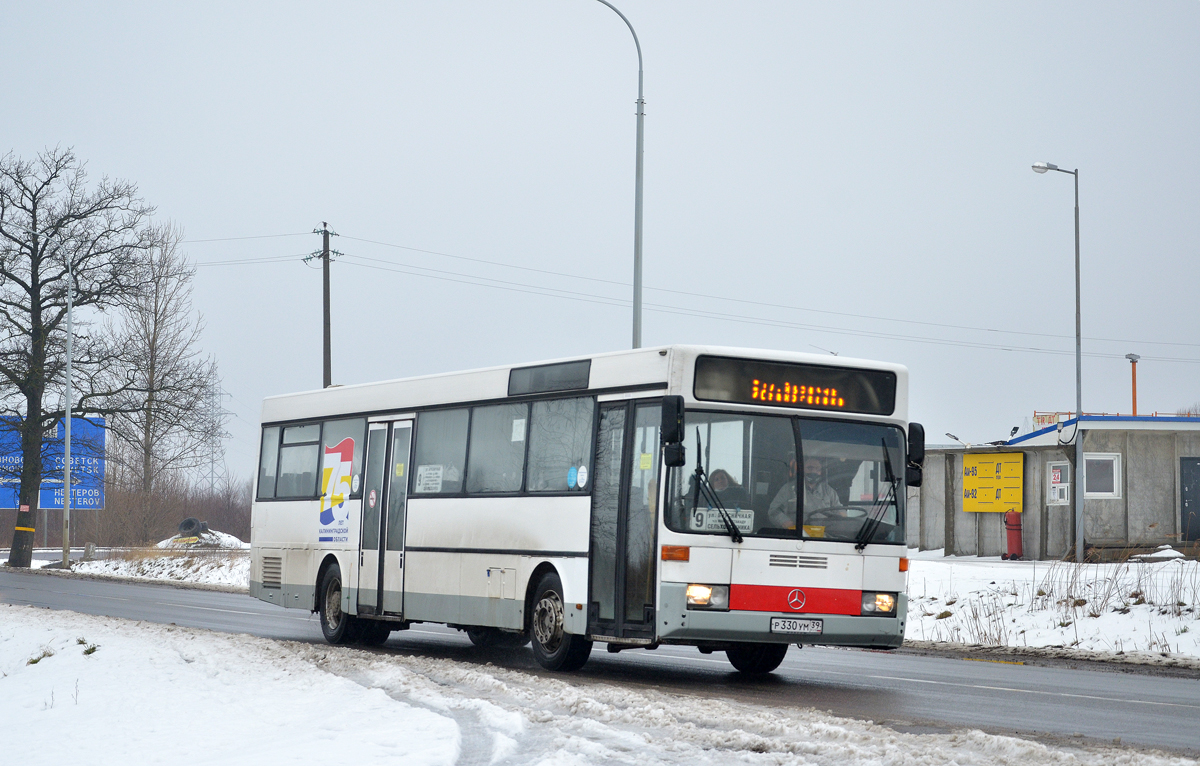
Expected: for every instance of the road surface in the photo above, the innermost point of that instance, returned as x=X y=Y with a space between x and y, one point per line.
x=908 y=692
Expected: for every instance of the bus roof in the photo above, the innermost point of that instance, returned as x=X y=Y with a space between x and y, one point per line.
x=630 y=369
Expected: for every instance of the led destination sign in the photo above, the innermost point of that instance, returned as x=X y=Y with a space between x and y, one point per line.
x=803 y=386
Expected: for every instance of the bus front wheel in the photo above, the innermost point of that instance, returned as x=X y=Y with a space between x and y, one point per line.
x=756 y=659
x=337 y=626
x=553 y=647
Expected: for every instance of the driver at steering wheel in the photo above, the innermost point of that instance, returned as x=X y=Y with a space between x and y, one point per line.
x=818 y=495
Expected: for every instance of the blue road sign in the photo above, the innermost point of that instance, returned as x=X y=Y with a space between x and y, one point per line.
x=87 y=465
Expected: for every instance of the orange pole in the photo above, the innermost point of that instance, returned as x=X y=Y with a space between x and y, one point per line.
x=1134 y=366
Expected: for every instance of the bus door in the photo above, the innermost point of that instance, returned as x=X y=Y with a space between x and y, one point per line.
x=385 y=495
x=624 y=506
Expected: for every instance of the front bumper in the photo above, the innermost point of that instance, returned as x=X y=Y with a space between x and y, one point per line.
x=678 y=624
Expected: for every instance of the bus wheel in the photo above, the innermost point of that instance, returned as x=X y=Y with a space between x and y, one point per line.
x=756 y=659
x=553 y=648
x=494 y=638
x=337 y=626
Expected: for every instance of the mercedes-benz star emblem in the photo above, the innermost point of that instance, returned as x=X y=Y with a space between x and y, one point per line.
x=796 y=599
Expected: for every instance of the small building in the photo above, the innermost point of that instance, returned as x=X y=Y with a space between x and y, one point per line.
x=1142 y=477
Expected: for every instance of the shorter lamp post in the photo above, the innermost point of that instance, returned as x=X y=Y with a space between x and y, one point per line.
x=1133 y=360
x=1080 y=468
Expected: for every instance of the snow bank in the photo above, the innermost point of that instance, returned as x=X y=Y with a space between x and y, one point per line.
x=211 y=567
x=133 y=693
x=175 y=695
x=209 y=538
x=1147 y=608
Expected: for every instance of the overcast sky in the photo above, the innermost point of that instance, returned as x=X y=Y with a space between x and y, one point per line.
x=850 y=178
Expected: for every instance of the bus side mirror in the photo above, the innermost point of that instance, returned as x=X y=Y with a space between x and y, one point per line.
x=672 y=420
x=916 y=455
x=916 y=443
x=674 y=456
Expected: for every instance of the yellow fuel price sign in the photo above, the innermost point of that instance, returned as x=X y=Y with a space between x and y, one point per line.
x=993 y=482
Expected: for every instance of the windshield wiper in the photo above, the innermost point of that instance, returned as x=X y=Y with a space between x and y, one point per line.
x=710 y=495
x=875 y=517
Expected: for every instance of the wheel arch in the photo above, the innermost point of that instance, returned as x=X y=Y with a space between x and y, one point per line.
x=535 y=579
x=330 y=560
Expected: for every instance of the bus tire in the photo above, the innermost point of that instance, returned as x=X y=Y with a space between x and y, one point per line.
x=373 y=632
x=337 y=626
x=756 y=659
x=494 y=638
x=553 y=648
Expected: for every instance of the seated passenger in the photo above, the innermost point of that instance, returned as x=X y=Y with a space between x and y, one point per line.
x=729 y=492
x=818 y=495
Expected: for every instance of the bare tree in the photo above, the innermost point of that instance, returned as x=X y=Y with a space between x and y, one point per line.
x=55 y=227
x=1193 y=411
x=163 y=415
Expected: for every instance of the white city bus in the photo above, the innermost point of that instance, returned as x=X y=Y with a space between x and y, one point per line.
x=732 y=499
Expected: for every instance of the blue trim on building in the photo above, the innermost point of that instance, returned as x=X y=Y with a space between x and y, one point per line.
x=1104 y=419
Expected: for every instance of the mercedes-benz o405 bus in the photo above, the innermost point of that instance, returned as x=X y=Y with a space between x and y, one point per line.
x=736 y=500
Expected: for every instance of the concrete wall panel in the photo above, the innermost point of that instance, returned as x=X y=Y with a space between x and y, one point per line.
x=1104 y=519
x=933 y=503
x=1150 y=468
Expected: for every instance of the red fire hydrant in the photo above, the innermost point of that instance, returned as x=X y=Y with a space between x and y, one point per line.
x=1012 y=523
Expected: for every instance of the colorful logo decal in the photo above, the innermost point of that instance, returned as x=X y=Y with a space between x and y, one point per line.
x=336 y=487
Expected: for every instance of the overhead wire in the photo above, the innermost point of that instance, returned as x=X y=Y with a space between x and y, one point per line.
x=532 y=289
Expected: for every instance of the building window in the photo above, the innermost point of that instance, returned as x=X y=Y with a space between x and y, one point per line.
x=1058 y=483
x=1102 y=475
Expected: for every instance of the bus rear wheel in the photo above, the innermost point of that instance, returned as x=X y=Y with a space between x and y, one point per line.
x=756 y=659
x=337 y=626
x=553 y=647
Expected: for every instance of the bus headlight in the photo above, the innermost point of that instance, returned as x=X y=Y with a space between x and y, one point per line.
x=881 y=604
x=707 y=596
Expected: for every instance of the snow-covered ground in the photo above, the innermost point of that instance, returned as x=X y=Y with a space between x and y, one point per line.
x=210 y=567
x=209 y=538
x=134 y=692
x=1144 y=608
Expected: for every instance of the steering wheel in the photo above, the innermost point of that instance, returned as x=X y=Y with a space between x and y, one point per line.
x=837 y=512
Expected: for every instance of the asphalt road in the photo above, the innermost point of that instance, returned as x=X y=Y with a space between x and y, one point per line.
x=905 y=691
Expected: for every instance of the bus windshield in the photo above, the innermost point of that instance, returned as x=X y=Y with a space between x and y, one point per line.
x=790 y=477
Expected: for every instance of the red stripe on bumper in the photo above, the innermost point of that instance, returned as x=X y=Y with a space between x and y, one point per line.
x=781 y=598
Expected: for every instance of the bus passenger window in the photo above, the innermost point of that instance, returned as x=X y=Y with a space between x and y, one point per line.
x=298 y=460
x=441 y=453
x=560 y=445
x=268 y=462
x=497 y=448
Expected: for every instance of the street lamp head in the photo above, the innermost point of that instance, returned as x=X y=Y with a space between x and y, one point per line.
x=1132 y=357
x=1042 y=167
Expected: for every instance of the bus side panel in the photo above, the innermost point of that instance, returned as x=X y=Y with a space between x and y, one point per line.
x=286 y=553
x=469 y=560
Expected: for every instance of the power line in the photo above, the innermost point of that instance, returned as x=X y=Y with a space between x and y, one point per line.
x=254 y=260
x=256 y=236
x=523 y=287
x=756 y=303
x=742 y=319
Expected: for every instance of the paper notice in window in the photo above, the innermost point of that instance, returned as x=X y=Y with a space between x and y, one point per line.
x=429 y=478
x=519 y=430
x=646 y=462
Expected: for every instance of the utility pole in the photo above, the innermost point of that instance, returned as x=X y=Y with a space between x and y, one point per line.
x=325 y=254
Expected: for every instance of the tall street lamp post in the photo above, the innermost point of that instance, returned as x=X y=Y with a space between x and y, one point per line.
x=66 y=525
x=1080 y=473
x=637 y=193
